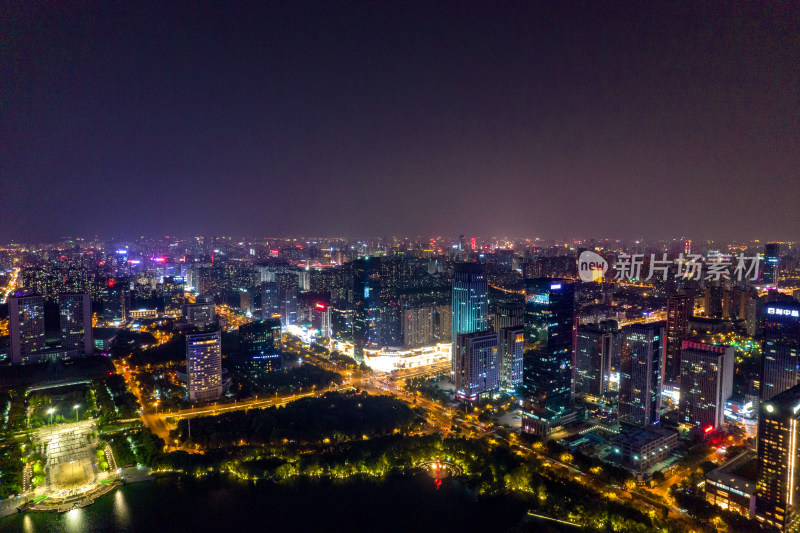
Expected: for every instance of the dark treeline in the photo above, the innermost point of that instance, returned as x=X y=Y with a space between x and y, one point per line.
x=332 y=416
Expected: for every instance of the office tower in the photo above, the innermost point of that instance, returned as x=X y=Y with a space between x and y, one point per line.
x=706 y=384
x=640 y=373
x=116 y=298
x=417 y=326
x=679 y=310
x=365 y=283
x=172 y=291
x=470 y=301
x=270 y=300
x=26 y=326
x=288 y=306
x=245 y=301
x=770 y=271
x=75 y=312
x=304 y=280
x=594 y=352
x=442 y=323
x=777 y=482
x=508 y=315
x=204 y=366
x=321 y=319
x=259 y=346
x=201 y=313
x=780 y=348
x=550 y=329
x=713 y=300
x=512 y=345
x=476 y=364
x=753 y=305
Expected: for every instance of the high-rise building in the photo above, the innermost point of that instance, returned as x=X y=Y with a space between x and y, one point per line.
x=508 y=315
x=116 y=297
x=259 y=345
x=270 y=300
x=512 y=345
x=204 y=366
x=550 y=335
x=288 y=306
x=75 y=311
x=470 y=302
x=365 y=297
x=477 y=365
x=780 y=348
x=442 y=323
x=26 y=326
x=706 y=384
x=770 y=271
x=201 y=313
x=417 y=326
x=777 y=482
x=640 y=378
x=680 y=309
x=594 y=353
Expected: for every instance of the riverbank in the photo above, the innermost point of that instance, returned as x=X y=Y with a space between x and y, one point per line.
x=26 y=503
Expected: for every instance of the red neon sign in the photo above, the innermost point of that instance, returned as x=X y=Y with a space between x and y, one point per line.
x=320 y=306
x=708 y=428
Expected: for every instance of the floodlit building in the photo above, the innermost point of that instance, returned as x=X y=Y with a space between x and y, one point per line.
x=706 y=384
x=777 y=484
x=470 y=302
x=75 y=313
x=26 y=326
x=477 y=365
x=204 y=366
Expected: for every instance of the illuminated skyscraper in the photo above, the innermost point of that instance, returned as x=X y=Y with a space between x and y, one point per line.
x=594 y=351
x=470 y=302
x=259 y=346
x=201 y=313
x=477 y=364
x=770 y=271
x=204 y=366
x=75 y=312
x=679 y=310
x=26 y=326
x=270 y=300
x=780 y=348
x=706 y=384
x=550 y=329
x=640 y=373
x=777 y=484
x=512 y=344
x=508 y=315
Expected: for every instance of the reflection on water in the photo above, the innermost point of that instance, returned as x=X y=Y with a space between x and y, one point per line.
x=121 y=515
x=74 y=521
x=220 y=505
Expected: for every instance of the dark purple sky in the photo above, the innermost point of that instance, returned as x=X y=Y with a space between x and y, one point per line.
x=598 y=119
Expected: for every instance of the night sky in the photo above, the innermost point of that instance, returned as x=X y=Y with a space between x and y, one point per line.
x=596 y=119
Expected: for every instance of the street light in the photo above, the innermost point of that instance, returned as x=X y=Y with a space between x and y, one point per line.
x=51 y=411
x=77 y=412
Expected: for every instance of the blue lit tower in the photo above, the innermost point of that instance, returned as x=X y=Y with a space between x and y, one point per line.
x=771 y=258
x=470 y=303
